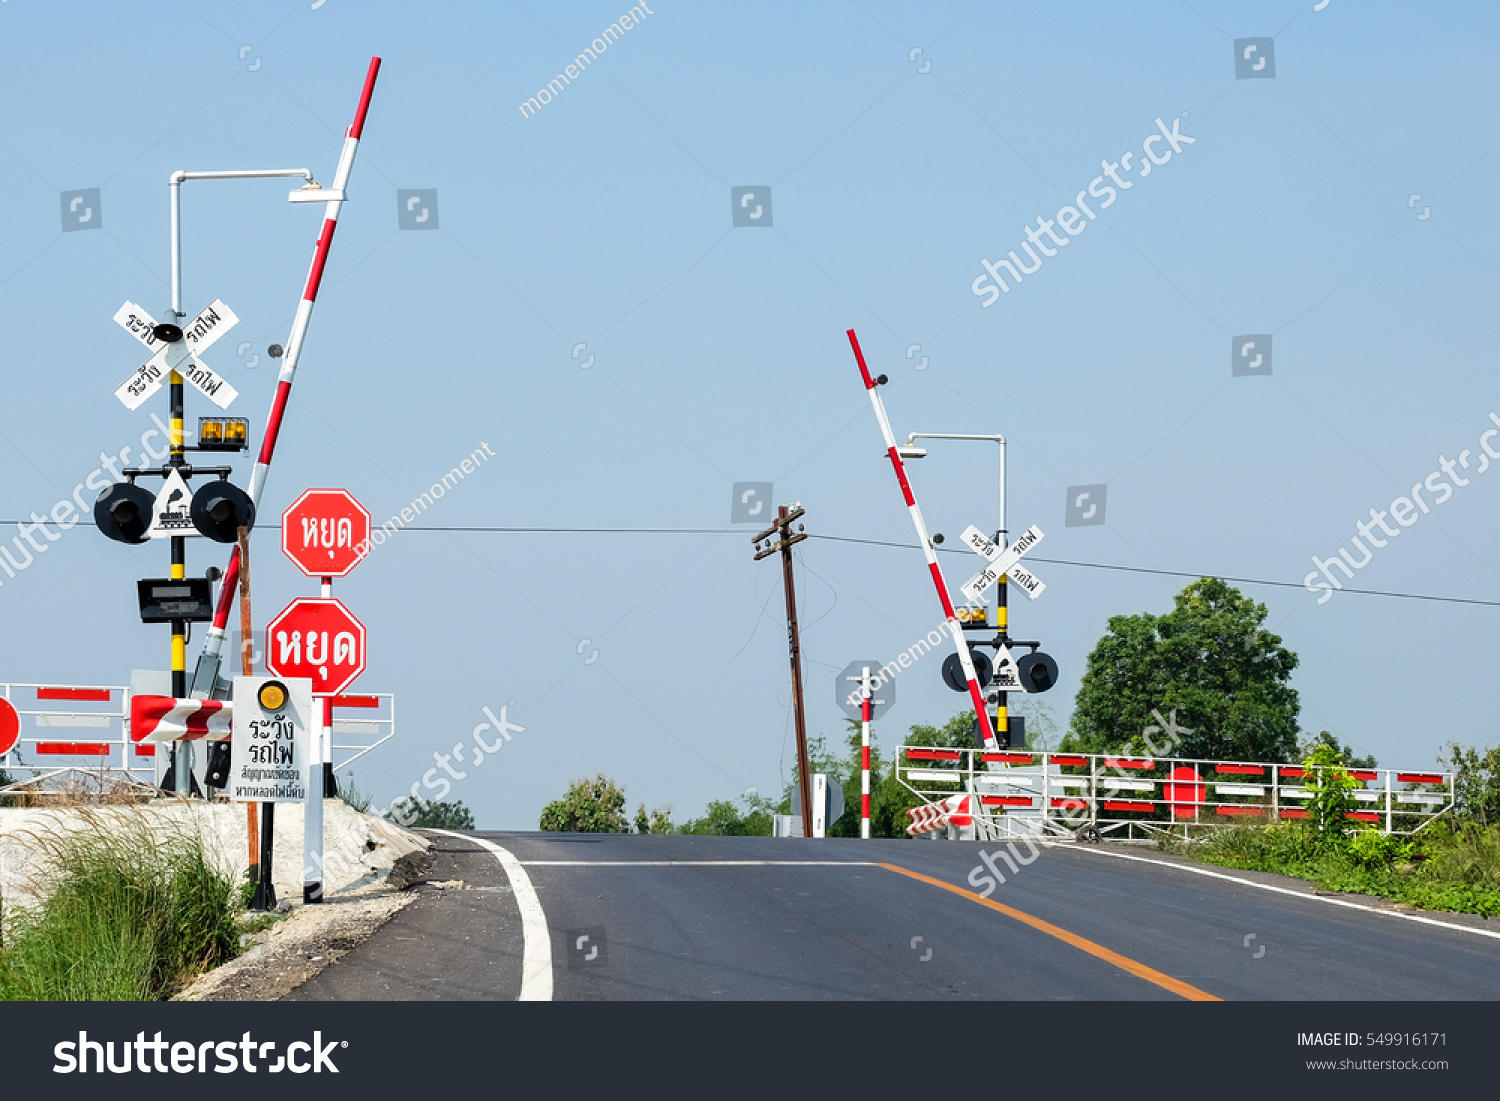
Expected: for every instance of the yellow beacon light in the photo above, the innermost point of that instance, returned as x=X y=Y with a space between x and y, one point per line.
x=272 y=695
x=223 y=433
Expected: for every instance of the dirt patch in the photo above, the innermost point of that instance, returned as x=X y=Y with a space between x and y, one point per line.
x=283 y=957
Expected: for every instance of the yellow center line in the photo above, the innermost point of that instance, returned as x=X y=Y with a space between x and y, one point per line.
x=1124 y=963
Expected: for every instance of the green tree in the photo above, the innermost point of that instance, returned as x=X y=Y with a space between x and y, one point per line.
x=1476 y=782
x=1332 y=795
x=889 y=798
x=724 y=819
x=590 y=806
x=1041 y=724
x=421 y=814
x=1346 y=753
x=1211 y=660
x=658 y=821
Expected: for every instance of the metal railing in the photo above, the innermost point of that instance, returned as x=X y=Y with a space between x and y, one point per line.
x=52 y=719
x=1024 y=792
x=366 y=732
x=106 y=752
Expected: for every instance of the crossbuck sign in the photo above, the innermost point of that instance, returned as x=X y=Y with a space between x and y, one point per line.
x=182 y=356
x=1001 y=562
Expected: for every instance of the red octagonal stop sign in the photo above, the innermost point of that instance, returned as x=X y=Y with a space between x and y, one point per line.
x=10 y=727
x=325 y=532
x=317 y=637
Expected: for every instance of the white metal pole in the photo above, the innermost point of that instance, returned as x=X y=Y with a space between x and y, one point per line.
x=864 y=800
x=174 y=186
x=312 y=816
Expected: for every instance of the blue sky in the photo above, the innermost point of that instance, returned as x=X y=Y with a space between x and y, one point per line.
x=718 y=352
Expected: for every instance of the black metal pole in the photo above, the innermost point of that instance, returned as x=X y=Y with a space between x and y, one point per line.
x=265 y=890
x=182 y=776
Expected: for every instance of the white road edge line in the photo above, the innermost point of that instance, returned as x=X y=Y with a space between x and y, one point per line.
x=536 y=960
x=698 y=863
x=1288 y=891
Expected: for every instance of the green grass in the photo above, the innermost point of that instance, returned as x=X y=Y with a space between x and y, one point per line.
x=354 y=798
x=128 y=915
x=1446 y=867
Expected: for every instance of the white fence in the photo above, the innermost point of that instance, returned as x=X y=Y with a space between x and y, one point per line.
x=82 y=732
x=375 y=726
x=1038 y=792
x=77 y=730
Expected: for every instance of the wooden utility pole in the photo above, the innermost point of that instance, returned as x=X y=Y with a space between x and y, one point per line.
x=261 y=831
x=783 y=529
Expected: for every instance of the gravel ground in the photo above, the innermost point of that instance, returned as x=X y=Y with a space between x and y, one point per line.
x=308 y=939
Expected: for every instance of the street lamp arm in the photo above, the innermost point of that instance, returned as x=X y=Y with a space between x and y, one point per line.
x=993 y=437
x=174 y=184
x=954 y=436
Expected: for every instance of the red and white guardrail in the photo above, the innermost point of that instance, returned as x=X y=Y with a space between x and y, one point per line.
x=1136 y=796
x=955 y=810
x=166 y=719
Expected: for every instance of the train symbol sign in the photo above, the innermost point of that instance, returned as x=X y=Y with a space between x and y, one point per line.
x=170 y=514
x=325 y=532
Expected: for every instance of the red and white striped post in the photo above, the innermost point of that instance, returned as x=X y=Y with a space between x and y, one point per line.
x=214 y=637
x=864 y=752
x=976 y=694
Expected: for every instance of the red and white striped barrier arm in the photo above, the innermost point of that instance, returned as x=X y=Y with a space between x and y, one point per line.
x=214 y=636
x=956 y=810
x=166 y=719
x=975 y=693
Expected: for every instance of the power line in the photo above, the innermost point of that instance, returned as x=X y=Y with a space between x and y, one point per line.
x=1172 y=573
x=492 y=530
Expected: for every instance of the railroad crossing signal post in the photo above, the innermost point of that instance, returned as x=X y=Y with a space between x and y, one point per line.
x=130 y=514
x=181 y=753
x=783 y=530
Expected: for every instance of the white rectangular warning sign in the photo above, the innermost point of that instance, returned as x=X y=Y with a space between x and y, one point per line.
x=273 y=735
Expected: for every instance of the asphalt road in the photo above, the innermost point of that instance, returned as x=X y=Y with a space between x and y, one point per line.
x=752 y=918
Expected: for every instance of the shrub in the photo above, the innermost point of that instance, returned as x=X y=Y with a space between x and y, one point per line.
x=1476 y=783
x=126 y=914
x=420 y=814
x=590 y=806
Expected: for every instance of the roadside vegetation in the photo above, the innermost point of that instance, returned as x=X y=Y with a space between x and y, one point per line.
x=1212 y=664
x=421 y=814
x=126 y=914
x=597 y=804
x=1452 y=864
